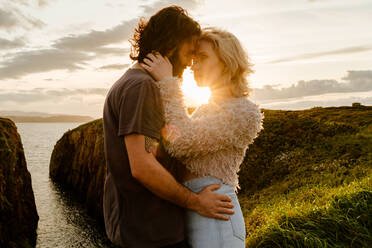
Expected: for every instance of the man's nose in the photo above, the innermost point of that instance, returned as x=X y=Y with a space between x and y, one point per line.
x=194 y=65
x=189 y=62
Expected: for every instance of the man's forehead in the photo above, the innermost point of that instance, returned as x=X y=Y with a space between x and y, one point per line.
x=191 y=41
x=194 y=40
x=187 y=43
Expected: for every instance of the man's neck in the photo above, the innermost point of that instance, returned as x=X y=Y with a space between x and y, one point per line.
x=137 y=66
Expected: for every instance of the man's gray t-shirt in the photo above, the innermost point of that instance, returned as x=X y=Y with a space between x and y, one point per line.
x=134 y=216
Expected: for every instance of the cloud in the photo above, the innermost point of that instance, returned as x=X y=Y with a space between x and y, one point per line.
x=299 y=104
x=44 y=94
x=69 y=52
x=114 y=67
x=62 y=100
x=355 y=81
x=156 y=6
x=109 y=51
x=7 y=20
x=22 y=2
x=358 y=75
x=347 y=50
x=23 y=63
x=43 y=3
x=39 y=3
x=97 y=39
x=357 y=88
x=73 y=51
x=10 y=44
x=12 y=18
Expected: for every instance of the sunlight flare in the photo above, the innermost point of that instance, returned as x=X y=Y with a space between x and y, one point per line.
x=194 y=95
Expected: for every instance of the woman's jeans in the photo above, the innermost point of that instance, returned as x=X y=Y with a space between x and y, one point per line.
x=204 y=232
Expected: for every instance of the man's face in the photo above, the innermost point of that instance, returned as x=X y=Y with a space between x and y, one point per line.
x=182 y=57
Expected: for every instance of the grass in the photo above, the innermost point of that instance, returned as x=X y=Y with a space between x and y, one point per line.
x=311 y=216
x=314 y=190
x=307 y=179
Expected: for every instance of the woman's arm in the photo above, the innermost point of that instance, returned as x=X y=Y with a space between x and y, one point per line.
x=236 y=126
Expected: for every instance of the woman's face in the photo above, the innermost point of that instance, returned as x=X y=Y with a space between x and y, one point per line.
x=206 y=66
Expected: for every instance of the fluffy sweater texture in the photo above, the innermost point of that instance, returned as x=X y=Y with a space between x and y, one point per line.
x=214 y=139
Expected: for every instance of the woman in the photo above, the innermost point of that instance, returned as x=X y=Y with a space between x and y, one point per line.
x=211 y=142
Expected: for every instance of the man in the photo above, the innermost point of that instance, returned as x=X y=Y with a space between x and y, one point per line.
x=143 y=203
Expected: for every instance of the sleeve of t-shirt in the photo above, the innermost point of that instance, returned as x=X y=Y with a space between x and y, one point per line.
x=140 y=110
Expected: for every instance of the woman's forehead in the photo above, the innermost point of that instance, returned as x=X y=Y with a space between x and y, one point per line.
x=204 y=46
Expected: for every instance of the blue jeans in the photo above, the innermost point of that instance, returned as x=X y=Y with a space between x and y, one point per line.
x=204 y=232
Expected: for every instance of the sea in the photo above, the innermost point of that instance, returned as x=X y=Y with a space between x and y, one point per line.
x=63 y=222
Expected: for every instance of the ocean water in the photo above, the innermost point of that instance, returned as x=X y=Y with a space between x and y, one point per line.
x=63 y=221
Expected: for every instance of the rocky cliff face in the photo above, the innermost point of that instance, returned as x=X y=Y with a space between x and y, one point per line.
x=78 y=163
x=18 y=215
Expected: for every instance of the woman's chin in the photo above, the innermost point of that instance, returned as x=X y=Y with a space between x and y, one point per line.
x=200 y=83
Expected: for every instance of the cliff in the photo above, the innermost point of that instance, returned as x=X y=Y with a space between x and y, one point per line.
x=78 y=163
x=302 y=163
x=18 y=215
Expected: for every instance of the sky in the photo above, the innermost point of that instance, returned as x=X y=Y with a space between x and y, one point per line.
x=63 y=56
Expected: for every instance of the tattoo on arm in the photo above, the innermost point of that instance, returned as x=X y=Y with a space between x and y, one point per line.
x=150 y=145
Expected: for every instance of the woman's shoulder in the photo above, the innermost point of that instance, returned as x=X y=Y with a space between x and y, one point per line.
x=234 y=109
x=244 y=113
x=242 y=105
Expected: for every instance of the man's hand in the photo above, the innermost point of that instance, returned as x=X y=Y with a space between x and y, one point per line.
x=214 y=205
x=152 y=175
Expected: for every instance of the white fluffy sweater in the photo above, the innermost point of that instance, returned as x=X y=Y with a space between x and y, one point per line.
x=214 y=139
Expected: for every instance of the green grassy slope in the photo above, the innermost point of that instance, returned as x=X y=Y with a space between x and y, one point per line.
x=306 y=180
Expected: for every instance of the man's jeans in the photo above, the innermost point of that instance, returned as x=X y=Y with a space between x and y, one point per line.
x=203 y=232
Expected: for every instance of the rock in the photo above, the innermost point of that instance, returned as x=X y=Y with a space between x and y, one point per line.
x=78 y=163
x=18 y=215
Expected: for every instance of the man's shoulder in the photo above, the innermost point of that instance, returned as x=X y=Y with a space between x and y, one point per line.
x=134 y=76
x=132 y=80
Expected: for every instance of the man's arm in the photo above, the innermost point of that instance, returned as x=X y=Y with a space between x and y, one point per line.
x=151 y=174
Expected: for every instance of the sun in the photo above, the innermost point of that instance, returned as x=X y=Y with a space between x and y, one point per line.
x=194 y=95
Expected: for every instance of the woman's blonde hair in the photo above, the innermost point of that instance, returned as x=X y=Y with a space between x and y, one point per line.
x=234 y=58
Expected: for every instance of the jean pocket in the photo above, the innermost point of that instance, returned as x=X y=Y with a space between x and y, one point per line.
x=237 y=219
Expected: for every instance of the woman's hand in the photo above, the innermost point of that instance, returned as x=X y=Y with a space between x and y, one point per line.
x=158 y=66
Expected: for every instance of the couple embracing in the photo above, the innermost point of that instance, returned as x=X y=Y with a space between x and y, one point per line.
x=171 y=177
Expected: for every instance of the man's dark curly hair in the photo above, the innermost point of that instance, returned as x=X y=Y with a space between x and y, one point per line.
x=164 y=32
